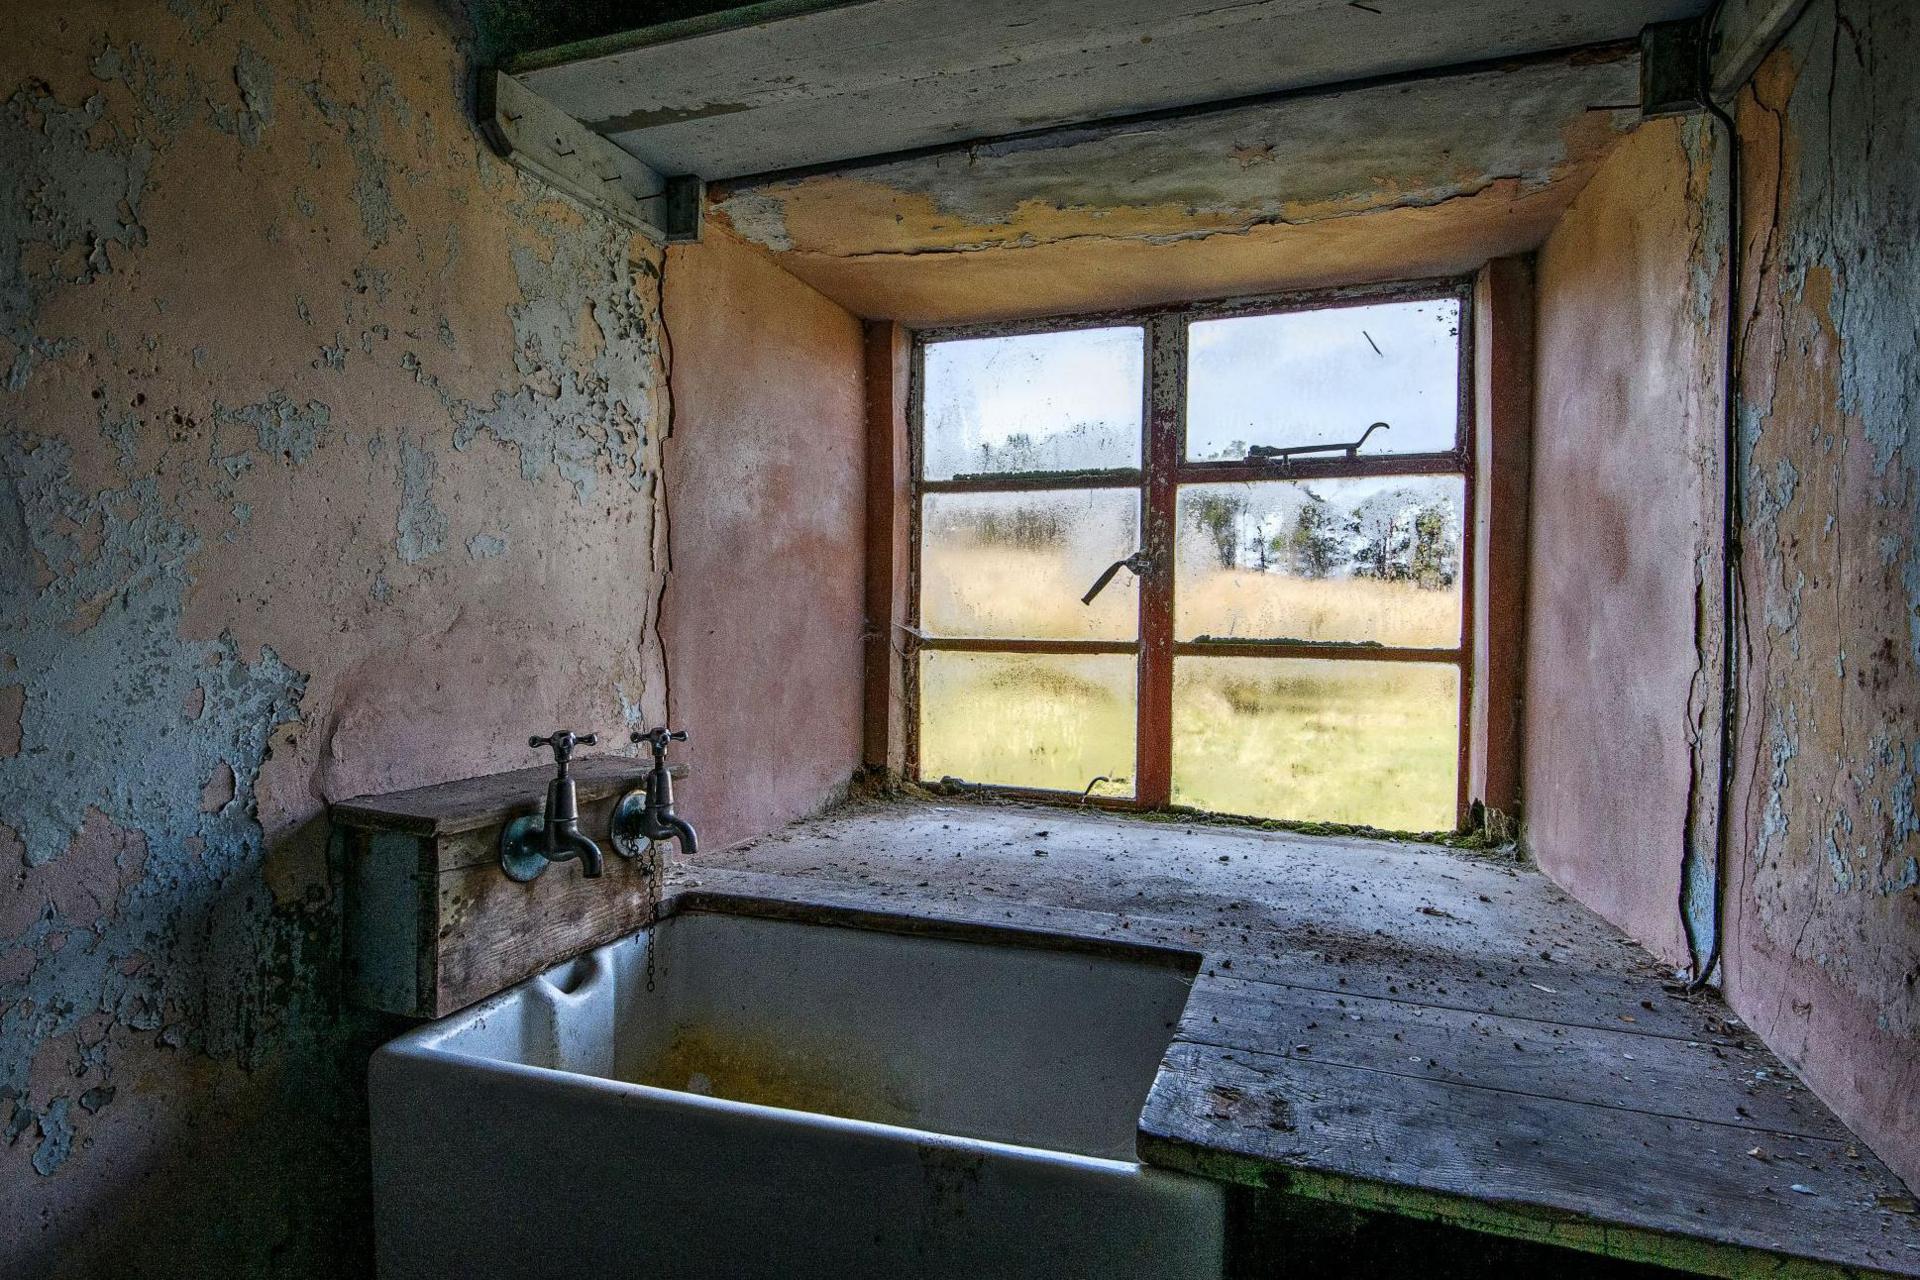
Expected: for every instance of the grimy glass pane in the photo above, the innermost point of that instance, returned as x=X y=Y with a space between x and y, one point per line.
x=994 y=565
x=1360 y=560
x=1369 y=743
x=1322 y=377
x=1037 y=402
x=1053 y=721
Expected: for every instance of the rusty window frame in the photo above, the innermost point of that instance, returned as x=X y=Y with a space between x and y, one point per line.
x=1164 y=469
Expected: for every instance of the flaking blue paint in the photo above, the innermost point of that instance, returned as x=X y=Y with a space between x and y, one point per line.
x=364 y=129
x=56 y=1138
x=65 y=190
x=580 y=413
x=125 y=717
x=254 y=76
x=422 y=526
x=193 y=952
x=281 y=428
x=1832 y=538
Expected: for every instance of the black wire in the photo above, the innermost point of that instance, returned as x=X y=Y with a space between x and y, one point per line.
x=1733 y=502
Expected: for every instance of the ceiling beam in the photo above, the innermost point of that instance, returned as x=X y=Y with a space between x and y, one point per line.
x=796 y=84
x=1080 y=133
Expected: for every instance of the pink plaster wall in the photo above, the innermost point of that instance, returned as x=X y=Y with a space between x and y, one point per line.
x=1625 y=503
x=765 y=474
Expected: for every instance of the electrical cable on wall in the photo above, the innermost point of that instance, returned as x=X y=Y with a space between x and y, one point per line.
x=1733 y=514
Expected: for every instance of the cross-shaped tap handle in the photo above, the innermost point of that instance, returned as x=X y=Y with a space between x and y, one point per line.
x=659 y=738
x=563 y=741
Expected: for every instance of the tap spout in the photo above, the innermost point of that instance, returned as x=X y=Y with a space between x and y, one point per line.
x=561 y=833
x=566 y=843
x=530 y=842
x=680 y=827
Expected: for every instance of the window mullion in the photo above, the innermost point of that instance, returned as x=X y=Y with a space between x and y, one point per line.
x=1166 y=405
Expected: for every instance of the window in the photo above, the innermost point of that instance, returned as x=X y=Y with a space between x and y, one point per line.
x=1211 y=556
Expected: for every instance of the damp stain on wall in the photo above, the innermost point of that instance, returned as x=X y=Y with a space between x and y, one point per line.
x=279 y=337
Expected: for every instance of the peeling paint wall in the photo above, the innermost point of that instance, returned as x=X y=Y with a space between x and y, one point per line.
x=766 y=481
x=329 y=459
x=1623 y=575
x=1823 y=950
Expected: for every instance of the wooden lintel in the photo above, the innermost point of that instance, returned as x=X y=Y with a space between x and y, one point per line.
x=537 y=137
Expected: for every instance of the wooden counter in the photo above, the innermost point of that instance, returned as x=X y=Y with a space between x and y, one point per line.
x=1388 y=1026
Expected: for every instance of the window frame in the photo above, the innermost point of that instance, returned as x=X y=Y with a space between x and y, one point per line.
x=1164 y=470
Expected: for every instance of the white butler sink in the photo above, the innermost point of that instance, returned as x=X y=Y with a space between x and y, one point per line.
x=791 y=1100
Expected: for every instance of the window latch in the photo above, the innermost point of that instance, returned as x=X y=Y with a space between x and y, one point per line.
x=1139 y=562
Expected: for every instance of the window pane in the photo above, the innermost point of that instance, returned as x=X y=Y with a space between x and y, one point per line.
x=1321 y=377
x=994 y=565
x=1028 y=720
x=1363 y=561
x=1373 y=743
x=1038 y=402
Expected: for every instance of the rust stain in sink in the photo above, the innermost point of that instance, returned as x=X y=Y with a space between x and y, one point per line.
x=836 y=1079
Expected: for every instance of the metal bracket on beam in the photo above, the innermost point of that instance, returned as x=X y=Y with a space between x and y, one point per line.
x=537 y=137
x=1672 y=69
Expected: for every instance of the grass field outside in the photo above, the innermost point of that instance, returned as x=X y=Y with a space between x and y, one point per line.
x=1027 y=720
x=1369 y=743
x=1352 y=741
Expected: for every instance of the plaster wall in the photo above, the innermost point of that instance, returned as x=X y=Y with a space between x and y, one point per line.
x=1624 y=554
x=1823 y=903
x=1821 y=900
x=765 y=468
x=329 y=458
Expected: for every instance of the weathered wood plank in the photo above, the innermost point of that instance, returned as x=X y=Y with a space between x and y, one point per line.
x=1681 y=1193
x=385 y=918
x=1728 y=1080
x=433 y=924
x=491 y=932
x=533 y=135
x=780 y=90
x=1548 y=991
x=462 y=805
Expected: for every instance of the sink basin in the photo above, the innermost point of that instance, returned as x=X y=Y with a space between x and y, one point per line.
x=792 y=1099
